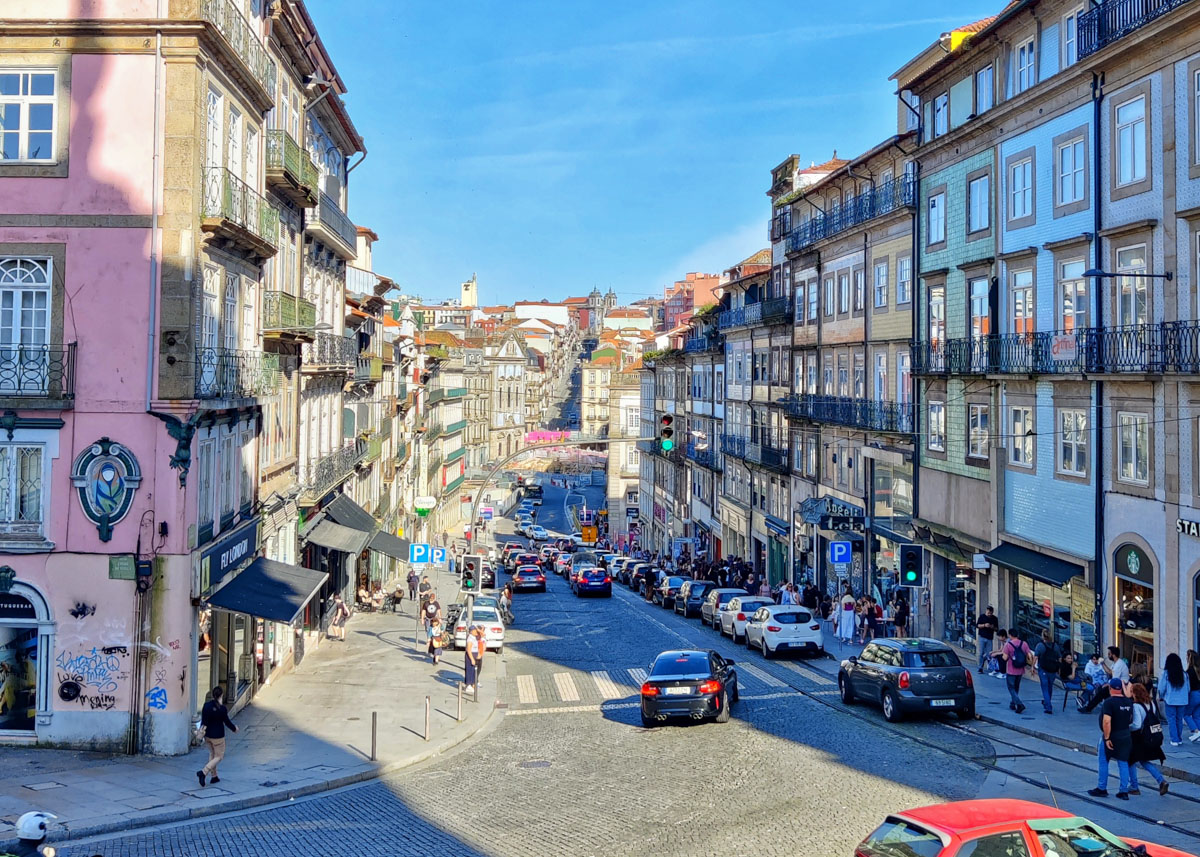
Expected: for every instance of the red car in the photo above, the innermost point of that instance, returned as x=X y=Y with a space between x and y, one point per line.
x=1015 y=828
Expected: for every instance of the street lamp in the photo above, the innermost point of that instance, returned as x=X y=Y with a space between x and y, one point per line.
x=1096 y=272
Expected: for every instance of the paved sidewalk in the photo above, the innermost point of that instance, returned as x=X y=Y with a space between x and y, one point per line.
x=310 y=731
x=1069 y=728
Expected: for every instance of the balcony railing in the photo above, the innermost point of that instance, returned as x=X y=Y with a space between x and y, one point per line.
x=1112 y=20
x=332 y=352
x=333 y=222
x=756 y=452
x=332 y=470
x=229 y=22
x=37 y=371
x=232 y=206
x=456 y=426
x=374 y=447
x=776 y=310
x=706 y=457
x=389 y=470
x=385 y=426
x=880 y=200
x=401 y=450
x=291 y=166
x=362 y=367
x=456 y=392
x=224 y=373
x=287 y=313
x=432 y=397
x=878 y=416
x=701 y=344
x=375 y=370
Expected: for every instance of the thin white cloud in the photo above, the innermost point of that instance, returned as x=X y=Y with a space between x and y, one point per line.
x=718 y=253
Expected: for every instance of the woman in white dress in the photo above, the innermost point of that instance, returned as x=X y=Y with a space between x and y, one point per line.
x=846 y=615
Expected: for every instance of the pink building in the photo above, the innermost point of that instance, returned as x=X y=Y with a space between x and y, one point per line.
x=684 y=296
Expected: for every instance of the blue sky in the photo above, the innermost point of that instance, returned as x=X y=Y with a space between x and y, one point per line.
x=553 y=147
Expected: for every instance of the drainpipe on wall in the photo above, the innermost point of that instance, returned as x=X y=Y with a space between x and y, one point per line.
x=1097 y=321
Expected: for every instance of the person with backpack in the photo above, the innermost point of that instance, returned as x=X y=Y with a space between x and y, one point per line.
x=1147 y=731
x=1048 y=661
x=1016 y=659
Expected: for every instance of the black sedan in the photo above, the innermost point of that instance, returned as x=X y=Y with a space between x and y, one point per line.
x=692 y=595
x=908 y=676
x=529 y=577
x=667 y=589
x=694 y=684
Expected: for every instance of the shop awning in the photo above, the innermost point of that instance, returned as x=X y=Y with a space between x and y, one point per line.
x=269 y=590
x=342 y=510
x=328 y=534
x=778 y=526
x=386 y=543
x=1047 y=569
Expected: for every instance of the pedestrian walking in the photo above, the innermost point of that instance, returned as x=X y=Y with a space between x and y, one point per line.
x=1048 y=661
x=436 y=642
x=341 y=614
x=480 y=651
x=214 y=717
x=1173 y=688
x=431 y=609
x=985 y=627
x=1116 y=740
x=1192 y=718
x=413 y=579
x=900 y=618
x=470 y=663
x=1016 y=659
x=846 y=618
x=424 y=589
x=1146 y=729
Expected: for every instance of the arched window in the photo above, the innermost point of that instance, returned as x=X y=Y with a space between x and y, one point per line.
x=26 y=654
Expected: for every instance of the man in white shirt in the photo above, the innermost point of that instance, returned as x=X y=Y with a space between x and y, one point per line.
x=1115 y=666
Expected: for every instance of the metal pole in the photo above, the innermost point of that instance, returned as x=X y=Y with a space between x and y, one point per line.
x=460 y=687
x=374 y=727
x=427 y=718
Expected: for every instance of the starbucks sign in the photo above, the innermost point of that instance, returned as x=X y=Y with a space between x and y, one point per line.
x=1133 y=563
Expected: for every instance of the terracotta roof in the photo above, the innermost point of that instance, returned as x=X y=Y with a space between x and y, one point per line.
x=634 y=366
x=441 y=337
x=762 y=257
x=575 y=301
x=977 y=27
x=829 y=166
x=492 y=310
x=626 y=313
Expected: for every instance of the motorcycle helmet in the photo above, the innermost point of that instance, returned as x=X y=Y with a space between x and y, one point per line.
x=32 y=825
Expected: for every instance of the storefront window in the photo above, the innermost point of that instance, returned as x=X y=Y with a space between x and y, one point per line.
x=960 y=607
x=1039 y=607
x=204 y=655
x=18 y=670
x=891 y=494
x=1135 y=608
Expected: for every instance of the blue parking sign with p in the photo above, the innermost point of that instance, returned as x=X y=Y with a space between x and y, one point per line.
x=418 y=553
x=437 y=556
x=839 y=551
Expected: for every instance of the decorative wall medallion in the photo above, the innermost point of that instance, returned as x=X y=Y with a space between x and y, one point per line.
x=106 y=476
x=8 y=577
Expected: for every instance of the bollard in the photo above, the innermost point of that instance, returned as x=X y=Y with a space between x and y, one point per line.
x=374 y=725
x=460 y=702
x=427 y=718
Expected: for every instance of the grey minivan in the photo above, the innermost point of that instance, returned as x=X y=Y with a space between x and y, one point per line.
x=908 y=676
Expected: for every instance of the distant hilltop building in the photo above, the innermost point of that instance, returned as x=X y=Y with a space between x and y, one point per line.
x=470 y=292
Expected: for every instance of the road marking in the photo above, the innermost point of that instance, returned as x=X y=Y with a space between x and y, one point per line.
x=638 y=676
x=765 y=677
x=811 y=674
x=526 y=689
x=567 y=691
x=608 y=688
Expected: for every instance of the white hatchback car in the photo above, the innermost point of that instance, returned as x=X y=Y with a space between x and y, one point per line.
x=734 y=616
x=493 y=628
x=775 y=628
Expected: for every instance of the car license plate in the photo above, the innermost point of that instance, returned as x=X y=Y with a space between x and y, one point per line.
x=677 y=691
x=942 y=703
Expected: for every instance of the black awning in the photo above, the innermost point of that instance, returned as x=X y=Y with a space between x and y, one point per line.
x=346 y=539
x=342 y=510
x=269 y=590
x=1047 y=569
x=390 y=545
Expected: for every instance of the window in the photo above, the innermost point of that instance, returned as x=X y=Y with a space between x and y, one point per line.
x=904 y=378
x=1196 y=112
x=246 y=474
x=827 y=388
x=843 y=292
x=1131 y=141
x=1022 y=302
x=1131 y=286
x=798 y=303
x=937 y=218
x=829 y=296
x=859 y=290
x=229 y=320
x=812 y=301
x=937 y=314
x=1133 y=448
x=1072 y=442
x=1071 y=166
x=903 y=280
x=1073 y=306
x=204 y=483
x=881 y=284
x=1020 y=190
x=21 y=483
x=977 y=431
x=881 y=383
x=980 y=318
x=996 y=845
x=1026 y=60
x=1070 y=30
x=27 y=104
x=937 y=426
x=1021 y=436
x=979 y=197
x=24 y=324
x=984 y=89
x=860 y=379
x=941 y=114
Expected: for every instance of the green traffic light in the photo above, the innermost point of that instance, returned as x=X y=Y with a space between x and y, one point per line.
x=668 y=445
x=910 y=575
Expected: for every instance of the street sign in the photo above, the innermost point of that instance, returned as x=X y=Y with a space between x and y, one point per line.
x=437 y=556
x=418 y=553
x=839 y=552
x=631 y=511
x=486 y=512
x=590 y=534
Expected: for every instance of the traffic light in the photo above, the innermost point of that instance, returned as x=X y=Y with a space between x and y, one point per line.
x=666 y=434
x=472 y=568
x=912 y=565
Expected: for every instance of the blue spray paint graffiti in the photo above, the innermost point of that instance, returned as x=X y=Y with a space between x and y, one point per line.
x=96 y=668
x=156 y=698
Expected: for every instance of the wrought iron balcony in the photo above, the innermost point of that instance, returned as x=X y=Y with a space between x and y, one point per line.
x=866 y=414
x=285 y=314
x=329 y=223
x=775 y=310
x=756 y=452
x=236 y=214
x=385 y=426
x=389 y=470
x=38 y=372
x=331 y=471
x=241 y=39
x=706 y=457
x=225 y=373
x=880 y=200
x=374 y=447
x=1112 y=20
x=702 y=344
x=330 y=352
x=290 y=168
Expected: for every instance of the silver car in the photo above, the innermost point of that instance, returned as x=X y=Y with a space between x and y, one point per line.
x=738 y=611
x=715 y=604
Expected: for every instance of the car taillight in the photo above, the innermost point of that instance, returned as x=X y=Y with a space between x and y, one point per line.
x=708 y=687
x=541 y=578
x=649 y=690
x=461 y=628
x=774 y=629
x=970 y=681
x=904 y=682
x=741 y=617
x=608 y=580
x=497 y=630
x=814 y=627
